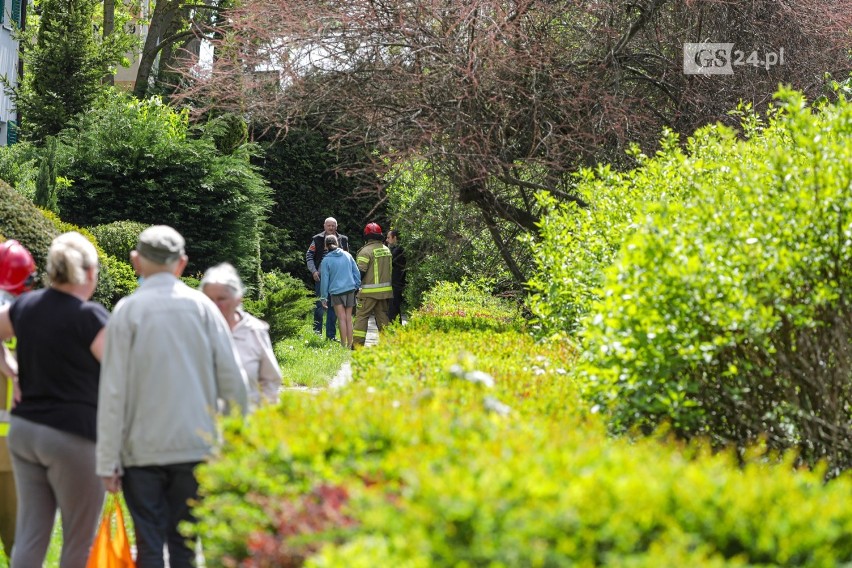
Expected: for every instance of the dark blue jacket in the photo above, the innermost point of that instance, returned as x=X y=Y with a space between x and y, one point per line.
x=317 y=250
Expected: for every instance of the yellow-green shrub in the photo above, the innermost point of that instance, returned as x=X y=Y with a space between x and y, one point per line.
x=409 y=466
x=727 y=314
x=419 y=359
x=466 y=305
x=575 y=246
x=528 y=495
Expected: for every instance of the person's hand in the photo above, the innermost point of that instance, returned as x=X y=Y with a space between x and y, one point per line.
x=324 y=305
x=316 y=276
x=112 y=483
x=8 y=364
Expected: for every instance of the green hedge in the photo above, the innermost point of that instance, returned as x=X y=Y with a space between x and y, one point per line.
x=467 y=305
x=138 y=160
x=727 y=314
x=574 y=246
x=118 y=238
x=19 y=167
x=35 y=228
x=522 y=495
x=422 y=461
x=116 y=279
x=24 y=222
x=283 y=303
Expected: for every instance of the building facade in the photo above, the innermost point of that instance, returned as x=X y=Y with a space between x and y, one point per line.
x=12 y=13
x=125 y=77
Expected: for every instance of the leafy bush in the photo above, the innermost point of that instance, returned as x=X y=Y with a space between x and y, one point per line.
x=134 y=160
x=228 y=132
x=119 y=237
x=477 y=366
x=123 y=276
x=576 y=245
x=283 y=303
x=444 y=240
x=416 y=465
x=116 y=279
x=19 y=167
x=24 y=222
x=36 y=229
x=513 y=496
x=334 y=437
x=728 y=314
x=466 y=305
x=193 y=281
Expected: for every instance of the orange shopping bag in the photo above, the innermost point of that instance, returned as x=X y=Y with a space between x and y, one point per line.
x=111 y=550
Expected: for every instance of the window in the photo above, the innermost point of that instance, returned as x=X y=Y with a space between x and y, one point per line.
x=16 y=12
x=11 y=132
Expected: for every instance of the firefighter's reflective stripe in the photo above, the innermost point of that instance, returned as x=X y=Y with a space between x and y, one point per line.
x=375 y=261
x=377 y=254
x=4 y=424
x=376 y=288
x=359 y=333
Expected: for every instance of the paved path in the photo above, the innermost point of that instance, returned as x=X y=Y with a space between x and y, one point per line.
x=344 y=375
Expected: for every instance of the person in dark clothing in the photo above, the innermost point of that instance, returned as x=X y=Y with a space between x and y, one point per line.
x=52 y=430
x=316 y=250
x=397 y=274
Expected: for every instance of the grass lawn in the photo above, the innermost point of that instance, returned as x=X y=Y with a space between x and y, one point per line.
x=52 y=558
x=308 y=360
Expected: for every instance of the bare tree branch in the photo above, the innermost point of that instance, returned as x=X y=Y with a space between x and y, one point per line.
x=485 y=87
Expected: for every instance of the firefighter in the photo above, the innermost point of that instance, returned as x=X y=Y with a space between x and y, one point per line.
x=374 y=263
x=17 y=275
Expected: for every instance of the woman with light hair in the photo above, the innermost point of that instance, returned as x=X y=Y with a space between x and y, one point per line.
x=222 y=284
x=52 y=429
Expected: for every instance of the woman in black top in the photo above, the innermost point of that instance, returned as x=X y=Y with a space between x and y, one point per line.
x=52 y=429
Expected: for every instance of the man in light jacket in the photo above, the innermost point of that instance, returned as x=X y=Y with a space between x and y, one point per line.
x=169 y=360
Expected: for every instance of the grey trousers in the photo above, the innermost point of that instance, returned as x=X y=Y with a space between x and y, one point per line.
x=53 y=469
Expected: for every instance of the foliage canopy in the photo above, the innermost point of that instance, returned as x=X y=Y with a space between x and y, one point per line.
x=138 y=161
x=64 y=64
x=717 y=299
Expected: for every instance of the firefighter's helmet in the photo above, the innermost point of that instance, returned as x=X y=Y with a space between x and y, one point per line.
x=372 y=229
x=17 y=268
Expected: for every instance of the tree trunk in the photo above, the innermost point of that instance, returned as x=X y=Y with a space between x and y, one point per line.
x=166 y=76
x=164 y=14
x=476 y=193
x=504 y=251
x=109 y=27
